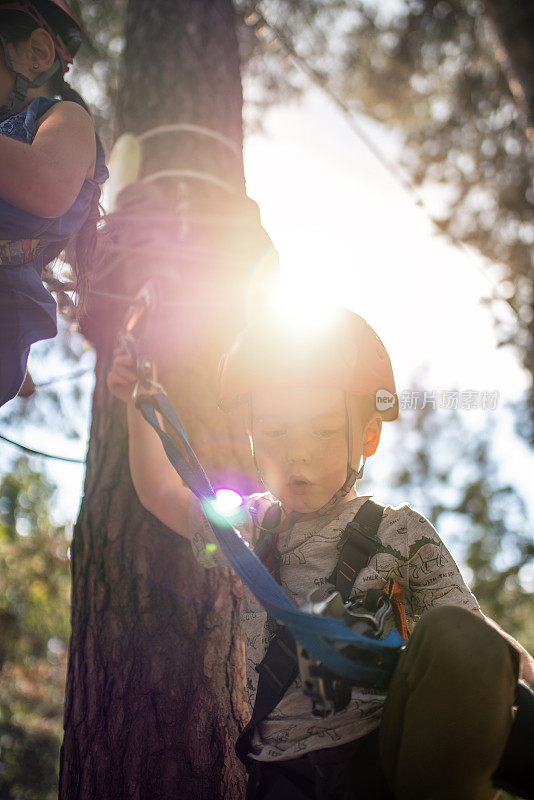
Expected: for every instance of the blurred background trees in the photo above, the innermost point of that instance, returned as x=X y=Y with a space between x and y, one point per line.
x=34 y=633
x=440 y=74
x=446 y=469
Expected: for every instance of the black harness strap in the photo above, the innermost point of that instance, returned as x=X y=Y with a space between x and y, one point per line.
x=279 y=667
x=277 y=671
x=361 y=543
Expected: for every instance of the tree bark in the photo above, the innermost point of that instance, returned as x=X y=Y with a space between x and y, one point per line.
x=514 y=24
x=155 y=688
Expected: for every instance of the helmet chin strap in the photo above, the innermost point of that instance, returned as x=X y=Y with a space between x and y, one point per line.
x=19 y=93
x=352 y=474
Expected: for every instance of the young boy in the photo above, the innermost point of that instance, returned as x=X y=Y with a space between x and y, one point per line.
x=313 y=402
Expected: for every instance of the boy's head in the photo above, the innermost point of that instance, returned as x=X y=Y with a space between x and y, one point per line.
x=310 y=399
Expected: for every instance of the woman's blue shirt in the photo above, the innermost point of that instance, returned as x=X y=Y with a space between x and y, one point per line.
x=27 y=309
x=15 y=223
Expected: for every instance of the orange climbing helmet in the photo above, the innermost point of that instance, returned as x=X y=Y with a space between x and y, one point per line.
x=57 y=19
x=341 y=351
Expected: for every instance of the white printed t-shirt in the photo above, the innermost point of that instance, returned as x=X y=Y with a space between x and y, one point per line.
x=411 y=552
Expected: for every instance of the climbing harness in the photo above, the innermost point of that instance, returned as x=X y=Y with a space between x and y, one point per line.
x=28 y=243
x=367 y=615
x=316 y=633
x=286 y=657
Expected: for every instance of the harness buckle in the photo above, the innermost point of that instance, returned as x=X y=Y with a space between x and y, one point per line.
x=329 y=692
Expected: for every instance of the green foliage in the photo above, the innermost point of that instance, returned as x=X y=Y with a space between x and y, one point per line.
x=34 y=629
x=430 y=69
x=448 y=470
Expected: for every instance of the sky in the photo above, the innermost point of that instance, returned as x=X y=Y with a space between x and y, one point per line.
x=347 y=233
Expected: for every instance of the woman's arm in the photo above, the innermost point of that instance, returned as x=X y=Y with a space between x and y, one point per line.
x=45 y=177
x=157 y=485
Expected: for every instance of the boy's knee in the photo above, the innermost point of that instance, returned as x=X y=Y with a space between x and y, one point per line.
x=455 y=639
x=446 y=624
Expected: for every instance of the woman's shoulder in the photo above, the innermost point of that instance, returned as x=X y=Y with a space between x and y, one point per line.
x=42 y=108
x=78 y=127
x=36 y=112
x=72 y=113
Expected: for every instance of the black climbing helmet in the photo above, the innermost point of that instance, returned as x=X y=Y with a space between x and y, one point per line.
x=57 y=19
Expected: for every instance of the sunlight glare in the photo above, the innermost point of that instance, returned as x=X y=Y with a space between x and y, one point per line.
x=227 y=501
x=300 y=313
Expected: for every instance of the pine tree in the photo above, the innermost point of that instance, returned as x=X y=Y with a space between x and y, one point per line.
x=155 y=691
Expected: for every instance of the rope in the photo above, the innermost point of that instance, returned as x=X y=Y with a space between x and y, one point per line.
x=256 y=19
x=188 y=173
x=31 y=452
x=162 y=217
x=187 y=128
x=125 y=298
x=151 y=252
x=108 y=246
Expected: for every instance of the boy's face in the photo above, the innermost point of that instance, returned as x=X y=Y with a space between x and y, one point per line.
x=301 y=445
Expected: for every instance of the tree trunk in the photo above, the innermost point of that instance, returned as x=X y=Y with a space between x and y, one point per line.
x=155 y=688
x=514 y=23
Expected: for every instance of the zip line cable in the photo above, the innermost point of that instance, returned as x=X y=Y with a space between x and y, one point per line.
x=31 y=452
x=40 y=453
x=255 y=18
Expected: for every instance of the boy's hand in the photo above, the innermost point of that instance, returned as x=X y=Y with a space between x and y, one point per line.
x=122 y=376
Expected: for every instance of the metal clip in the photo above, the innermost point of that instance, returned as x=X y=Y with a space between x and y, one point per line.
x=132 y=332
x=144 y=385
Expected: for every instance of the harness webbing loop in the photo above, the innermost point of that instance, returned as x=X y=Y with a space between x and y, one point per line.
x=279 y=667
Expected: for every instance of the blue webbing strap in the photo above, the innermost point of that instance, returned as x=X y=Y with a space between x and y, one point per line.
x=313 y=631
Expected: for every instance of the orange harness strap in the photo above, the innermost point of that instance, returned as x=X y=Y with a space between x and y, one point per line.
x=395 y=594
